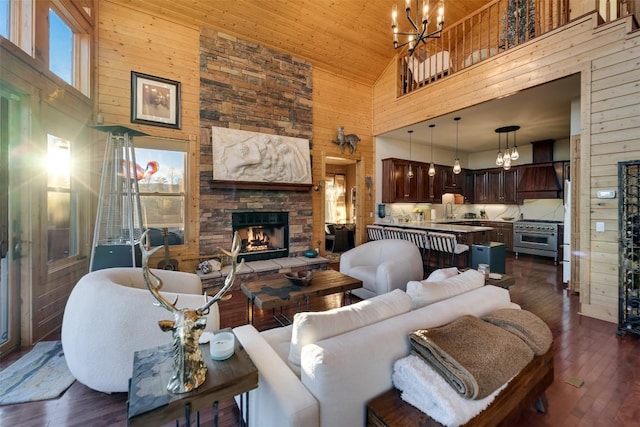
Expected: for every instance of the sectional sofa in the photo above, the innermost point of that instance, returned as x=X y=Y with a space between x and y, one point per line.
x=324 y=368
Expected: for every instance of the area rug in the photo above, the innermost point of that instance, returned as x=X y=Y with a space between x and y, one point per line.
x=38 y=375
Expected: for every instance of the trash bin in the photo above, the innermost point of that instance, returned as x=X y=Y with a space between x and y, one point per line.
x=491 y=253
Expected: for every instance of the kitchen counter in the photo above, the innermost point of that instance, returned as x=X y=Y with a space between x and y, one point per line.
x=449 y=226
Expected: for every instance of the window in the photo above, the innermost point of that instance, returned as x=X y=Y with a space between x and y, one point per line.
x=162 y=187
x=60 y=48
x=62 y=217
x=5 y=14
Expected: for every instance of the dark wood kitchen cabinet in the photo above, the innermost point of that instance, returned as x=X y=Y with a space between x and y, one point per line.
x=430 y=188
x=502 y=232
x=480 y=194
x=397 y=187
x=502 y=185
x=452 y=183
x=469 y=186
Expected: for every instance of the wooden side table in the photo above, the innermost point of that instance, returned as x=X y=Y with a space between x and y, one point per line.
x=151 y=404
x=525 y=390
x=506 y=281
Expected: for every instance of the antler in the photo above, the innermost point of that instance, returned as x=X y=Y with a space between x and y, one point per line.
x=228 y=282
x=148 y=274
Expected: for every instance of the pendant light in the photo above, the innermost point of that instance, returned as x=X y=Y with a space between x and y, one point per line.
x=514 y=153
x=410 y=172
x=456 y=164
x=505 y=159
x=499 y=159
x=432 y=168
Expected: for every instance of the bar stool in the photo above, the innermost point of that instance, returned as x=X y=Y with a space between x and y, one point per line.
x=394 y=233
x=375 y=232
x=445 y=243
x=421 y=240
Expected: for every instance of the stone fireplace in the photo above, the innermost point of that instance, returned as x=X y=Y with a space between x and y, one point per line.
x=263 y=235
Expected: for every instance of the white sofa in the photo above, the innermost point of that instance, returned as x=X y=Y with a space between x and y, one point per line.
x=341 y=373
x=111 y=314
x=382 y=265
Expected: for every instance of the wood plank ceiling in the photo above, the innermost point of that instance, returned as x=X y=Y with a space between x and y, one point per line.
x=350 y=37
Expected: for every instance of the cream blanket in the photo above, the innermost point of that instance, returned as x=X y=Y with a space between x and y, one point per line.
x=474 y=357
x=425 y=389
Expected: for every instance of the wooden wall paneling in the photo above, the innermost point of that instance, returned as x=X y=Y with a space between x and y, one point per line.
x=543 y=59
x=338 y=101
x=606 y=57
x=49 y=302
x=131 y=39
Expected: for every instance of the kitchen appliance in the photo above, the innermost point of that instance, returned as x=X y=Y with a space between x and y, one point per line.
x=536 y=237
x=566 y=235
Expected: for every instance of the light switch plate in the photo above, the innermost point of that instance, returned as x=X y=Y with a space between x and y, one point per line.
x=606 y=194
x=600 y=227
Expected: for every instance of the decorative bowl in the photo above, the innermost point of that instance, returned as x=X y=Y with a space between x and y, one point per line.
x=300 y=278
x=508 y=218
x=310 y=253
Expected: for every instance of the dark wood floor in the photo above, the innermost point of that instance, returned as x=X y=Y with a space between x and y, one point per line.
x=585 y=349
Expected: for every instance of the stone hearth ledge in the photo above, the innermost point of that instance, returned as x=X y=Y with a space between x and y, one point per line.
x=266 y=269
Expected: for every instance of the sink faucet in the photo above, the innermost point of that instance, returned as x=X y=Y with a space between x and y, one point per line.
x=446 y=209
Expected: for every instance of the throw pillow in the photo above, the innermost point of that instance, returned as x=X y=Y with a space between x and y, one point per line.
x=443 y=274
x=425 y=292
x=311 y=327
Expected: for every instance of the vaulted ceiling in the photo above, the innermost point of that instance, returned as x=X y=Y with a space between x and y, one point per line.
x=353 y=38
x=349 y=37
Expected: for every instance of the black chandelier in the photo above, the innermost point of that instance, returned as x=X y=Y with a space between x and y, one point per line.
x=417 y=34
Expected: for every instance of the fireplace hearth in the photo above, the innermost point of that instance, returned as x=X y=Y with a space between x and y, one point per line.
x=264 y=235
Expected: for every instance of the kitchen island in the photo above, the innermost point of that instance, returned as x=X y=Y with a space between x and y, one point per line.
x=465 y=234
x=463 y=231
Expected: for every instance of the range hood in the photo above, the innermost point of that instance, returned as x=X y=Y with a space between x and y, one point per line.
x=541 y=179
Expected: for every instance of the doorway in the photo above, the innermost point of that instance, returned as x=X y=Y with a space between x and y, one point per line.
x=9 y=259
x=340 y=203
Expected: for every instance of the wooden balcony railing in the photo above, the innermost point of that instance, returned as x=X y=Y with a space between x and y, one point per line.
x=495 y=28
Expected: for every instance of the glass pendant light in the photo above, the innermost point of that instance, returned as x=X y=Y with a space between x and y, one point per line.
x=499 y=159
x=410 y=172
x=514 y=153
x=456 y=164
x=432 y=168
x=506 y=158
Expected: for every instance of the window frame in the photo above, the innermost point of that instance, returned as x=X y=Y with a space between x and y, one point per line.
x=75 y=231
x=168 y=144
x=82 y=31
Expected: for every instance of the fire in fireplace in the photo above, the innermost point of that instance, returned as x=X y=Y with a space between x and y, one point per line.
x=264 y=235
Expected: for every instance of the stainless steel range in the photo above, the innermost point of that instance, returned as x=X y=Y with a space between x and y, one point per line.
x=536 y=237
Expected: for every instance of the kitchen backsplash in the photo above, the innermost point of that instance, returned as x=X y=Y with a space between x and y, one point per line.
x=547 y=209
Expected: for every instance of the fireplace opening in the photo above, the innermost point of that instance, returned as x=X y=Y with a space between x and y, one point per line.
x=263 y=235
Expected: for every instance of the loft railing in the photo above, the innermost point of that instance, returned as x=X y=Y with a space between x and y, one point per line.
x=495 y=28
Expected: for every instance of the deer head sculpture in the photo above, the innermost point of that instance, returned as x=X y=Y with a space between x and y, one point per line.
x=189 y=369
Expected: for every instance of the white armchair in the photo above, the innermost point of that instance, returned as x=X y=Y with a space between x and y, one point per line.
x=111 y=314
x=382 y=265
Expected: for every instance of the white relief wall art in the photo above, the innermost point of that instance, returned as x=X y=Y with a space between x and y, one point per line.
x=240 y=155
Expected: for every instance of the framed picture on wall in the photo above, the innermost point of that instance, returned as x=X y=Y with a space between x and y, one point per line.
x=155 y=101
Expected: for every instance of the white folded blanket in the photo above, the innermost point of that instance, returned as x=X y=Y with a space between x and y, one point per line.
x=424 y=388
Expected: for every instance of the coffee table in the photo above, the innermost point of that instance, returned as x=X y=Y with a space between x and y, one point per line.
x=276 y=293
